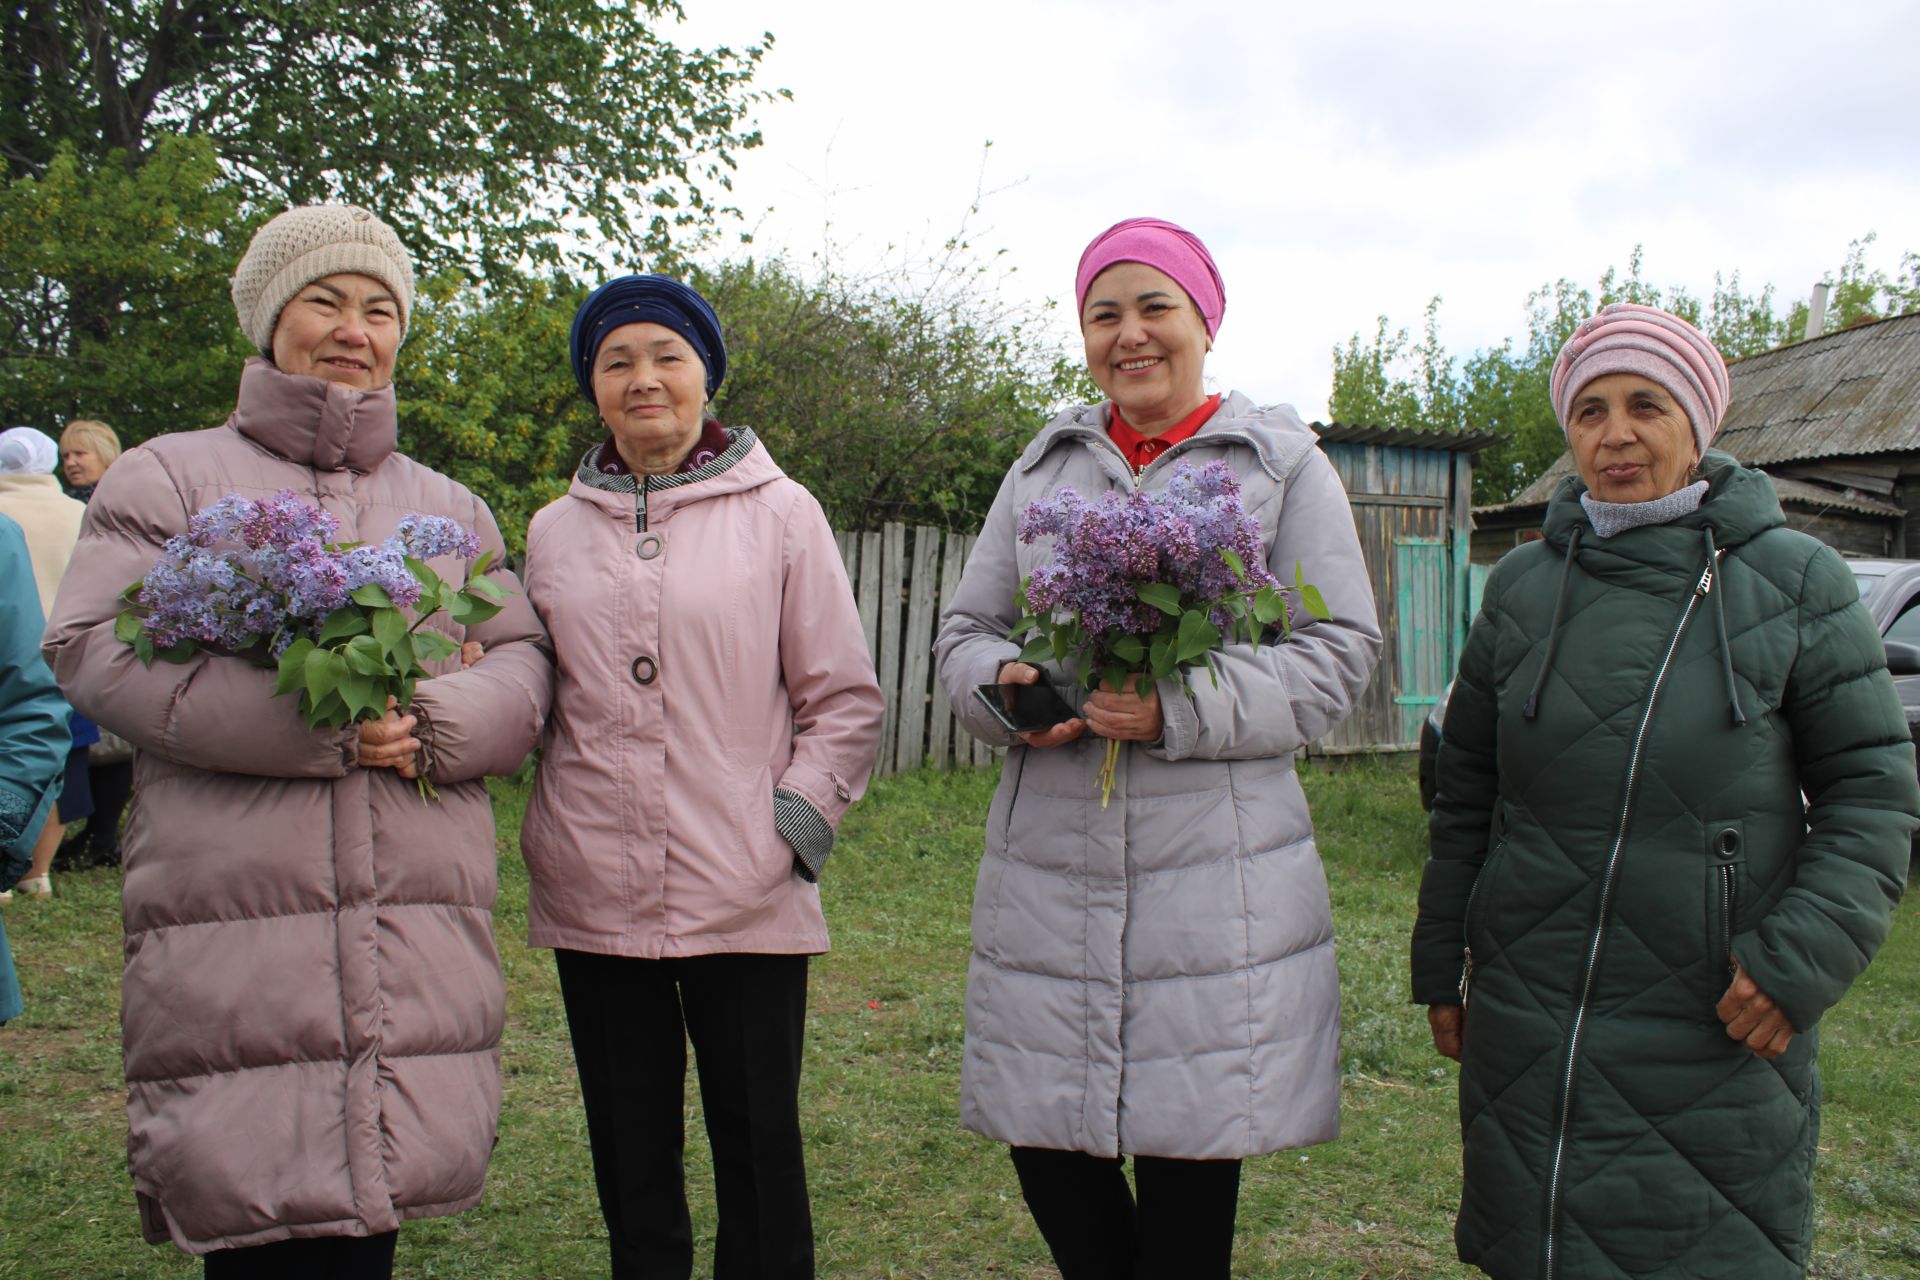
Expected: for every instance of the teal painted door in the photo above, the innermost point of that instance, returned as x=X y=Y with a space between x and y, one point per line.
x=1423 y=629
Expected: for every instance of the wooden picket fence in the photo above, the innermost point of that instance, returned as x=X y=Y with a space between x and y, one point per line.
x=902 y=580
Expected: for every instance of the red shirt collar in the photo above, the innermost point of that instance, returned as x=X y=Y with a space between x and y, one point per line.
x=1140 y=450
x=712 y=443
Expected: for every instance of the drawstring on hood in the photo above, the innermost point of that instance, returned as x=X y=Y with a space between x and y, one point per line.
x=1532 y=705
x=1720 y=623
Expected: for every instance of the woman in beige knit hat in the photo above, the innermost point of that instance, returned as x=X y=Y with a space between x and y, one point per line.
x=312 y=1001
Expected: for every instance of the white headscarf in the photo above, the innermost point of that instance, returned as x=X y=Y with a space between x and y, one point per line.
x=27 y=452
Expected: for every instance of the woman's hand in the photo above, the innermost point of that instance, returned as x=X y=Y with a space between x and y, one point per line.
x=1752 y=1016
x=1448 y=1022
x=387 y=743
x=1058 y=736
x=471 y=652
x=1133 y=716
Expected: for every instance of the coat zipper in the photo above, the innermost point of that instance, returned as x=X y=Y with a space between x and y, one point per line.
x=640 y=506
x=1728 y=874
x=1700 y=590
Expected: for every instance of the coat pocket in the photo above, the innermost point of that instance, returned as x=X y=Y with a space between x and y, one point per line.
x=1726 y=860
x=1480 y=899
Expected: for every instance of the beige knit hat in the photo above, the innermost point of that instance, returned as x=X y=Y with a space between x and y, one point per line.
x=303 y=245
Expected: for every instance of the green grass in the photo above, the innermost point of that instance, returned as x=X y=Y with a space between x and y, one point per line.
x=899 y=1190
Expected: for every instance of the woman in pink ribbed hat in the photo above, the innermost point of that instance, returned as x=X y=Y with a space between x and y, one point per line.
x=1675 y=795
x=1153 y=980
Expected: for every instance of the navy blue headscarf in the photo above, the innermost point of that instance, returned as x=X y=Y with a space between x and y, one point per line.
x=646 y=299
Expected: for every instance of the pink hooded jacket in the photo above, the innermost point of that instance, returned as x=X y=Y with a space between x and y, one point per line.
x=709 y=653
x=312 y=1003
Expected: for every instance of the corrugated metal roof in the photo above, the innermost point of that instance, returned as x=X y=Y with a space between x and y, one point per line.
x=1407 y=438
x=1843 y=394
x=1846 y=394
x=1793 y=493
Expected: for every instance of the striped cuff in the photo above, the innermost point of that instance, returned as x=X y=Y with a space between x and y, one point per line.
x=802 y=827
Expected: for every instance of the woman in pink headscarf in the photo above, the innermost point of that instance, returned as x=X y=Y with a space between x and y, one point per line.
x=1154 y=978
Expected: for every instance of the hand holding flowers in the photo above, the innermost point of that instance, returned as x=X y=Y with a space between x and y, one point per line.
x=1146 y=584
x=330 y=616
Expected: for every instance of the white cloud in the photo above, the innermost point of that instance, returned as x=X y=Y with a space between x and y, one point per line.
x=1344 y=161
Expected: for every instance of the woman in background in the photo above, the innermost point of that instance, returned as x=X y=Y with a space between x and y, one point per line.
x=31 y=495
x=87 y=448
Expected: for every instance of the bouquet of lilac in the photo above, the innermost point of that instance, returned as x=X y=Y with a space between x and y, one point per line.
x=1149 y=583
x=329 y=615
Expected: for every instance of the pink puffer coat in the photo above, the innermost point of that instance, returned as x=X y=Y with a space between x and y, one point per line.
x=312 y=1003
x=709 y=653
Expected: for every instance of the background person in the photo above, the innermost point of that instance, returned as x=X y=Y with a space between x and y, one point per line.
x=716 y=714
x=312 y=1002
x=1643 y=919
x=87 y=448
x=30 y=494
x=33 y=734
x=1156 y=978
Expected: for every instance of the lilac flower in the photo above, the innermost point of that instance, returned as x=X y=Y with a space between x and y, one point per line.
x=428 y=536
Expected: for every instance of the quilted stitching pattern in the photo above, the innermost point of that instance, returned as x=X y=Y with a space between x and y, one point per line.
x=1686 y=1156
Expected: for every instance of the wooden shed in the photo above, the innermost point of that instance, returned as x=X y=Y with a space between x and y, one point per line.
x=1412 y=494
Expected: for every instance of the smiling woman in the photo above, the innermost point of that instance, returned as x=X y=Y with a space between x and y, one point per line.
x=305 y=939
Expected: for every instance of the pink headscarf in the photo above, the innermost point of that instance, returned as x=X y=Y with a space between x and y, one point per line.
x=1659 y=346
x=1164 y=247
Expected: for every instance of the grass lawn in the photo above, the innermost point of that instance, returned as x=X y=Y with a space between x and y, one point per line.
x=899 y=1190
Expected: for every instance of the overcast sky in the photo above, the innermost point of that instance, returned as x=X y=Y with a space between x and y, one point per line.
x=1342 y=161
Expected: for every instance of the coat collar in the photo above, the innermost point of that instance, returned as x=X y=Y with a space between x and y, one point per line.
x=315 y=422
x=1275 y=433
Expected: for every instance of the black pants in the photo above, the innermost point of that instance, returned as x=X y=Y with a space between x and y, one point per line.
x=1179 y=1228
x=630 y=1020
x=327 y=1258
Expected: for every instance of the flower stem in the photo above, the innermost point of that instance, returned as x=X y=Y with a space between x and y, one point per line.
x=1106 y=770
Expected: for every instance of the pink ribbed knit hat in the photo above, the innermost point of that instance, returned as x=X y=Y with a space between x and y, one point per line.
x=1164 y=247
x=1659 y=346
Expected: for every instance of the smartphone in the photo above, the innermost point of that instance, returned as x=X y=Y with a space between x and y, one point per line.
x=1025 y=708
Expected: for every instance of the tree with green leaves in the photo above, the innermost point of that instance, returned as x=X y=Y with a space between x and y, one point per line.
x=1393 y=380
x=488 y=133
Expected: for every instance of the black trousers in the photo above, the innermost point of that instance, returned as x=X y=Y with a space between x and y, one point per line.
x=327 y=1258
x=630 y=1020
x=1180 y=1227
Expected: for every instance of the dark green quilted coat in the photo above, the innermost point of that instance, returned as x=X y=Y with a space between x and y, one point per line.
x=1601 y=859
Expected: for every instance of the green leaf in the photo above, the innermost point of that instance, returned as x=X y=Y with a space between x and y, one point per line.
x=364 y=656
x=373 y=595
x=362 y=695
x=1160 y=656
x=424 y=574
x=126 y=627
x=1114 y=676
x=469 y=611
x=389 y=628
x=1038 y=649
x=341 y=623
x=1235 y=563
x=1129 y=649
x=487 y=587
x=322 y=673
x=178 y=653
x=1299 y=576
x=293 y=666
x=1197 y=635
x=1269 y=605
x=1158 y=594
x=143 y=648
x=480 y=566
x=430 y=646
x=1313 y=603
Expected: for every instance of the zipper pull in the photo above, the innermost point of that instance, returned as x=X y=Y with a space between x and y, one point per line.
x=1466 y=976
x=1706 y=581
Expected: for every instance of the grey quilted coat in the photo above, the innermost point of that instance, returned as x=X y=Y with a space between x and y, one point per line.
x=1157 y=978
x=1609 y=835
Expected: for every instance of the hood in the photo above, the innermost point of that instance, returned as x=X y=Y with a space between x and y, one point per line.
x=1274 y=432
x=315 y=422
x=745 y=465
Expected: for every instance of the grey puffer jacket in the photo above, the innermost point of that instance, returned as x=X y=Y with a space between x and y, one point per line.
x=1157 y=977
